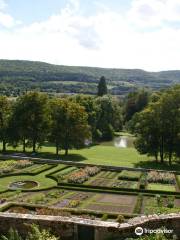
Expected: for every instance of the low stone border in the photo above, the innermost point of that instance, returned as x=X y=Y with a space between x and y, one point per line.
x=68 y=227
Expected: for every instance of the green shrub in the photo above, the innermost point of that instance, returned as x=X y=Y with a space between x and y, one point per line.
x=120 y=219
x=143 y=181
x=38 y=234
x=137 y=208
x=104 y=217
x=12 y=235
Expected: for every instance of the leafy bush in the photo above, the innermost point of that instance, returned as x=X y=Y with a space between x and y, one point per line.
x=120 y=219
x=104 y=217
x=143 y=181
x=35 y=234
x=161 y=177
x=38 y=234
x=137 y=208
x=12 y=235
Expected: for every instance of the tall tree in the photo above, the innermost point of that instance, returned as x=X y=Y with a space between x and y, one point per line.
x=158 y=126
x=69 y=126
x=31 y=119
x=92 y=109
x=110 y=116
x=135 y=102
x=5 y=113
x=102 y=87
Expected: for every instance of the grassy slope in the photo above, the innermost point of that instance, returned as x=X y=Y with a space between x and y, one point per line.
x=37 y=75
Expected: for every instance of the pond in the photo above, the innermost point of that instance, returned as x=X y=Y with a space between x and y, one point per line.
x=121 y=142
x=23 y=185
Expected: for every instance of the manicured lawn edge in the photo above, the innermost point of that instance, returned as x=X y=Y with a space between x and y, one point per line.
x=72 y=211
x=105 y=189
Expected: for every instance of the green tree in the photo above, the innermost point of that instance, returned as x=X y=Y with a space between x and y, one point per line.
x=69 y=126
x=135 y=102
x=92 y=109
x=5 y=114
x=110 y=119
x=102 y=87
x=31 y=119
x=158 y=126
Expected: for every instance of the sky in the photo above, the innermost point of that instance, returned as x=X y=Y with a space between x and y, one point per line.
x=143 y=34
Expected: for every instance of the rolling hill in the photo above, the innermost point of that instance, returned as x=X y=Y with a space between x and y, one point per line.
x=17 y=76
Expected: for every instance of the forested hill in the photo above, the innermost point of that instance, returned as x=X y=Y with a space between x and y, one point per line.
x=17 y=76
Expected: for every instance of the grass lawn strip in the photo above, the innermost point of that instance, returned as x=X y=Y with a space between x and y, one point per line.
x=159 y=187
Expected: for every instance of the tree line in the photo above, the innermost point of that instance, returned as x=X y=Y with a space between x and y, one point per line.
x=157 y=127
x=67 y=122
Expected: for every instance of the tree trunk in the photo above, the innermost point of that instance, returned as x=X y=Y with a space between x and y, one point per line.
x=66 y=151
x=57 y=149
x=24 y=145
x=4 y=146
x=170 y=158
x=34 y=146
x=162 y=150
x=156 y=157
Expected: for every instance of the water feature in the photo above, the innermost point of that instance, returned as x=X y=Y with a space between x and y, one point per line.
x=121 y=142
x=23 y=185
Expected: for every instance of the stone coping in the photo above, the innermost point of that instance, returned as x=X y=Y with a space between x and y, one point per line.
x=131 y=223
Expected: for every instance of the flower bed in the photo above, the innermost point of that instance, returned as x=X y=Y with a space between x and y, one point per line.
x=159 y=205
x=11 y=166
x=82 y=175
x=125 y=184
x=161 y=177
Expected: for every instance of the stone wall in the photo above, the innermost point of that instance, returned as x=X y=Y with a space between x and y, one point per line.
x=75 y=228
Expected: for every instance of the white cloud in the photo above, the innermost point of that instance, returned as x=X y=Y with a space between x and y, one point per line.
x=3 y=4
x=6 y=20
x=105 y=39
x=154 y=13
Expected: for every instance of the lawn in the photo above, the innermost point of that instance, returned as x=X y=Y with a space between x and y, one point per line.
x=105 y=155
x=161 y=187
x=41 y=179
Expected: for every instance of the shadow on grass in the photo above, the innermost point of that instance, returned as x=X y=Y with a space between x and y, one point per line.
x=49 y=155
x=158 y=165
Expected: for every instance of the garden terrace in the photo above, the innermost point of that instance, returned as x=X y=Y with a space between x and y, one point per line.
x=87 y=190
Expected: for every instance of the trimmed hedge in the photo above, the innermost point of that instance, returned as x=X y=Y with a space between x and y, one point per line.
x=111 y=189
x=129 y=175
x=138 y=206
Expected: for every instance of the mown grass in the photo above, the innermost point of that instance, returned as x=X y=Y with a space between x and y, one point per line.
x=161 y=187
x=103 y=155
x=43 y=181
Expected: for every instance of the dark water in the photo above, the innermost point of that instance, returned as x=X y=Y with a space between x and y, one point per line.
x=121 y=142
x=23 y=185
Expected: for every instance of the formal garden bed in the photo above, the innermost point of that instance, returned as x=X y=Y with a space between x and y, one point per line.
x=87 y=190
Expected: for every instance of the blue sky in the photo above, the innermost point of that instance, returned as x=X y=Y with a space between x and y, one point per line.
x=39 y=10
x=118 y=33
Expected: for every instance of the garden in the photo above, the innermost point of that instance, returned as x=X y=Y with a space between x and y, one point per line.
x=88 y=191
